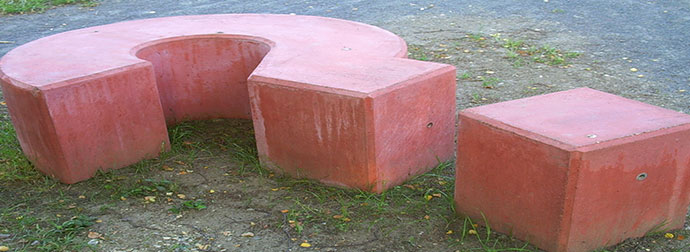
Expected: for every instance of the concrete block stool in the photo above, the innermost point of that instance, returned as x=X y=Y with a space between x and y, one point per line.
x=574 y=170
x=330 y=99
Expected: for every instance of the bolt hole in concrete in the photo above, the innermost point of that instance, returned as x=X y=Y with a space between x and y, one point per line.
x=429 y=125
x=642 y=176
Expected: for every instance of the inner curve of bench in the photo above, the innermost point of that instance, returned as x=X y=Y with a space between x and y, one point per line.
x=204 y=77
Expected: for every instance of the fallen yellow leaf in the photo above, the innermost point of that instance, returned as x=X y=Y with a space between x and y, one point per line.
x=150 y=198
x=284 y=211
x=305 y=245
x=3 y=103
x=472 y=232
x=94 y=235
x=428 y=197
x=449 y=232
x=4 y=248
x=669 y=235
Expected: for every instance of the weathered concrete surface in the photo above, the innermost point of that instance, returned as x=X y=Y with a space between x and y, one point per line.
x=586 y=169
x=350 y=118
x=101 y=97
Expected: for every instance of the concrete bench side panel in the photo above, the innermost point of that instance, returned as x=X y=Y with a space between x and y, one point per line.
x=629 y=207
x=510 y=166
x=35 y=128
x=107 y=121
x=312 y=134
x=414 y=126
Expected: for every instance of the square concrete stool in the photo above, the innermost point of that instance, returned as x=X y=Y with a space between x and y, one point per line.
x=574 y=170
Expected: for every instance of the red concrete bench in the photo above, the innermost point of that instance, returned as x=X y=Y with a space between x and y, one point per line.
x=574 y=170
x=331 y=100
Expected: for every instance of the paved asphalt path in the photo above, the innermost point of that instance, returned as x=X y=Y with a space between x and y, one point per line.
x=655 y=35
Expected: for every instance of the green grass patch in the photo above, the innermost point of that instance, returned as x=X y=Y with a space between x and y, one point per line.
x=519 y=50
x=45 y=234
x=30 y=6
x=490 y=83
x=13 y=165
x=188 y=205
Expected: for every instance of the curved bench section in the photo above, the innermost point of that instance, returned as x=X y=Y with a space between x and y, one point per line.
x=330 y=99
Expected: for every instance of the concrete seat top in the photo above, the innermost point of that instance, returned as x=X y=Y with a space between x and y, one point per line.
x=302 y=48
x=579 y=117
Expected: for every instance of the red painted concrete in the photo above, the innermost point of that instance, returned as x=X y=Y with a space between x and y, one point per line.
x=350 y=118
x=216 y=88
x=332 y=100
x=560 y=170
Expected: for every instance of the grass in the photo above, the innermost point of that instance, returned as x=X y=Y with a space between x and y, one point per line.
x=489 y=241
x=476 y=37
x=490 y=83
x=13 y=165
x=418 y=53
x=188 y=205
x=45 y=234
x=30 y=6
x=519 y=50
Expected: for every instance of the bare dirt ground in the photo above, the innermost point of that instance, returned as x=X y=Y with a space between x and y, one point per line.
x=209 y=194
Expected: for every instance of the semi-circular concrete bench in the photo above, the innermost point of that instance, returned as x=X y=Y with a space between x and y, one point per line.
x=331 y=100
